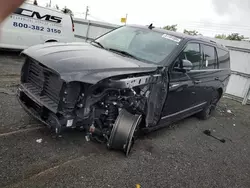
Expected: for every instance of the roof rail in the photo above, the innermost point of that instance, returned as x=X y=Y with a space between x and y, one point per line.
x=213 y=41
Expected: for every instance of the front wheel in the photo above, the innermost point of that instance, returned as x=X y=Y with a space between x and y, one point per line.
x=123 y=131
x=207 y=112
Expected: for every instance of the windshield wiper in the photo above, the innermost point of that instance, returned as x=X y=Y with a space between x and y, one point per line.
x=124 y=53
x=98 y=43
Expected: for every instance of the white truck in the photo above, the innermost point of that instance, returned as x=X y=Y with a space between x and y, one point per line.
x=30 y=24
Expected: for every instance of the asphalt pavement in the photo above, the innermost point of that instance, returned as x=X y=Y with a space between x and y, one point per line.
x=178 y=156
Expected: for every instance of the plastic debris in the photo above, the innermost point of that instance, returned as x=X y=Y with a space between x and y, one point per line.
x=87 y=138
x=229 y=111
x=39 y=141
x=234 y=125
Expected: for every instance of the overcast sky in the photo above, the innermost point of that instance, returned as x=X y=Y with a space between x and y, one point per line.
x=209 y=17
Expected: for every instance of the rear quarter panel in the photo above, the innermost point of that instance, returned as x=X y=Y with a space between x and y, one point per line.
x=212 y=81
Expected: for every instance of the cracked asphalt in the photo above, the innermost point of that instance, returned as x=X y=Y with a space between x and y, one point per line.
x=178 y=156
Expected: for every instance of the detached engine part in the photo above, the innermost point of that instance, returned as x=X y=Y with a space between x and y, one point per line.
x=122 y=134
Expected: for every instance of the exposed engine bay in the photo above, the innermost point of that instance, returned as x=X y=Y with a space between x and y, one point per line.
x=111 y=111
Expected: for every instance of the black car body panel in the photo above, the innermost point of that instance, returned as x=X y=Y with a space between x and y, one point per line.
x=90 y=86
x=84 y=62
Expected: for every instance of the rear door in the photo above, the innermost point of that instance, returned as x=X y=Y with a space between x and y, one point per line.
x=208 y=76
x=182 y=95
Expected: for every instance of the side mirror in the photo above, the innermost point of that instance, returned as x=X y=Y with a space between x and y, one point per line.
x=187 y=65
x=184 y=66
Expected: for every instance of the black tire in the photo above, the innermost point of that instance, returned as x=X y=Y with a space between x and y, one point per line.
x=208 y=111
x=50 y=41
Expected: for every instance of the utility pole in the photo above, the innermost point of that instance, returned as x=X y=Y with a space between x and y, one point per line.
x=126 y=19
x=87 y=13
x=50 y=3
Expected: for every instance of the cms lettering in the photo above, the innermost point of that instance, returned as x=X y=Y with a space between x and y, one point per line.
x=37 y=15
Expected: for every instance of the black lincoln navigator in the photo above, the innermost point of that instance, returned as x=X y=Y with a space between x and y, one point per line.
x=134 y=78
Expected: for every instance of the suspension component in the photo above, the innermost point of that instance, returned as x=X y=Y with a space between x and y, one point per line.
x=112 y=114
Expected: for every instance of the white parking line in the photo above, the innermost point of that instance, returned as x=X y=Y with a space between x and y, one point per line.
x=21 y=131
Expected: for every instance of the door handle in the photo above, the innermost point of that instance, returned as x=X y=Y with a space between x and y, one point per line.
x=174 y=85
x=197 y=81
x=178 y=86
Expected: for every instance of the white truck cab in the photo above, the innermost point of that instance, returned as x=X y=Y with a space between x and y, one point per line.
x=30 y=24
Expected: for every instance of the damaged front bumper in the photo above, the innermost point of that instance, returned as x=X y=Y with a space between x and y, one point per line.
x=122 y=134
x=44 y=113
x=29 y=110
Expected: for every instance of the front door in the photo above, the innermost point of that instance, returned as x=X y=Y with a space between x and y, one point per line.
x=183 y=89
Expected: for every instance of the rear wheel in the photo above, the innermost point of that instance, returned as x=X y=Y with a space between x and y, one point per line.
x=50 y=41
x=209 y=109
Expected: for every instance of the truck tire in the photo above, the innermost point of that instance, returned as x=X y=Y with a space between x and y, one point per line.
x=51 y=41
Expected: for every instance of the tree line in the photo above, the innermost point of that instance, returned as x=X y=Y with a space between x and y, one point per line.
x=233 y=36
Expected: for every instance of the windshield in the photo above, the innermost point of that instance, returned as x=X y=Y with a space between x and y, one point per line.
x=143 y=44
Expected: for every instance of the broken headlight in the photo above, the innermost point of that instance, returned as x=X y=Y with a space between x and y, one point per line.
x=71 y=95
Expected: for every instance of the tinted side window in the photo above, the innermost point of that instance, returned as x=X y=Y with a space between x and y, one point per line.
x=224 y=58
x=192 y=53
x=210 y=58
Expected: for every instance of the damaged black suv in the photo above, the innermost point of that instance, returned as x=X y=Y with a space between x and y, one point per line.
x=134 y=78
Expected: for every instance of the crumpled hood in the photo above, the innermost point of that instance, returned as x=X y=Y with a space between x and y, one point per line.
x=85 y=62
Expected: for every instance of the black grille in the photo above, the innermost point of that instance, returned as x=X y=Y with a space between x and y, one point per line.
x=44 y=83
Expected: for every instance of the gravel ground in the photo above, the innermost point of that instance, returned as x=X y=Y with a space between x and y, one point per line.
x=178 y=156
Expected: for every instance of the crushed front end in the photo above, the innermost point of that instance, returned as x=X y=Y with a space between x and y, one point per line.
x=43 y=94
x=111 y=111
